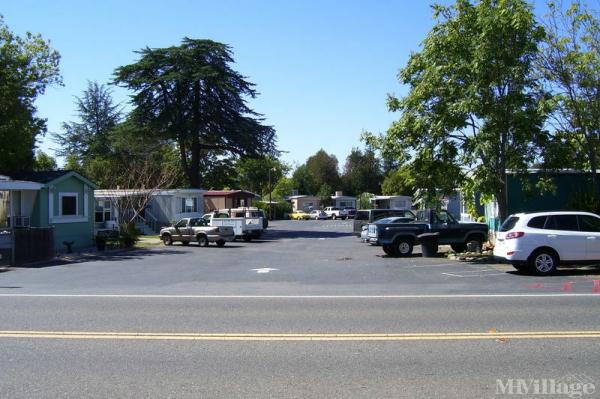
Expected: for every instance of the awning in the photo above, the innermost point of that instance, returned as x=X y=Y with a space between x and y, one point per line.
x=11 y=185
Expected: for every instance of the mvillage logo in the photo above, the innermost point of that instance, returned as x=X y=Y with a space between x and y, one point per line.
x=570 y=386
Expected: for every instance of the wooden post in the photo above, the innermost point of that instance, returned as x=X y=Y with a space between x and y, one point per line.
x=12 y=227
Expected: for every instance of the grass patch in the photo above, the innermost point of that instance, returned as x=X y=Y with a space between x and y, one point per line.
x=148 y=241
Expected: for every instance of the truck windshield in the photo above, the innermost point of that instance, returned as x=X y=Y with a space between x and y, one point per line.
x=444 y=217
x=362 y=215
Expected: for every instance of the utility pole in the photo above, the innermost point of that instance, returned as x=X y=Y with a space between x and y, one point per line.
x=270 y=204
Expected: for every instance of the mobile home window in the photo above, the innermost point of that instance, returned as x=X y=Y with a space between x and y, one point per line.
x=189 y=205
x=102 y=211
x=68 y=204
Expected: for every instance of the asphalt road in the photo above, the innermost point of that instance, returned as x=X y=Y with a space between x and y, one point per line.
x=308 y=312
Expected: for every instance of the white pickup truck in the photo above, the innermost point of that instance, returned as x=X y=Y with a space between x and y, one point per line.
x=245 y=228
x=248 y=213
x=335 y=213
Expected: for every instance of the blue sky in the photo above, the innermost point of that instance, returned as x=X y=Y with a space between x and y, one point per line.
x=323 y=68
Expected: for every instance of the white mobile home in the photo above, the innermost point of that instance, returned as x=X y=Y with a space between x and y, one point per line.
x=391 y=202
x=164 y=207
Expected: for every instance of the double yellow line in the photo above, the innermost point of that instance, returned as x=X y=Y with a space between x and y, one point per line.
x=456 y=336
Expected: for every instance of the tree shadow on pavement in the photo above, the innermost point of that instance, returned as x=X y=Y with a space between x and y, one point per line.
x=291 y=234
x=109 y=256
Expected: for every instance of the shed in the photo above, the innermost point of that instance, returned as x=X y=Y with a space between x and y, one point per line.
x=227 y=199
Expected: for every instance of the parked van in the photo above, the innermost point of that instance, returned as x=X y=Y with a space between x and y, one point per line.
x=366 y=216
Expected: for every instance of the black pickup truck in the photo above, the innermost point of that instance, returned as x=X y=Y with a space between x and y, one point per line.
x=398 y=239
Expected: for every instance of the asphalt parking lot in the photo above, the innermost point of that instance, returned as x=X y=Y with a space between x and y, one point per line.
x=308 y=311
x=292 y=258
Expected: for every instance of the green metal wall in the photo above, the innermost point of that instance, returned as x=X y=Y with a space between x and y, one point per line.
x=567 y=187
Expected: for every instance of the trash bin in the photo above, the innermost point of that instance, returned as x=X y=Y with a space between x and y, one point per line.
x=429 y=244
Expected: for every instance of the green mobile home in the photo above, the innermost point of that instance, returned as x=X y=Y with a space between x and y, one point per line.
x=61 y=200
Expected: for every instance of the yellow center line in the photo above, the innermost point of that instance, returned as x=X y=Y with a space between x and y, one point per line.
x=96 y=335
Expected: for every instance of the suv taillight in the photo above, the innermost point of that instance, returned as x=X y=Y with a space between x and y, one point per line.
x=515 y=234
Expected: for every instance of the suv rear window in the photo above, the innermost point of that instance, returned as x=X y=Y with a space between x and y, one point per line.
x=509 y=223
x=537 y=222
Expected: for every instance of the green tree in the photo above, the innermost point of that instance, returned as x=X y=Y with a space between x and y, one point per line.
x=27 y=66
x=256 y=174
x=325 y=192
x=570 y=63
x=472 y=99
x=190 y=95
x=283 y=188
x=89 y=137
x=323 y=169
x=216 y=172
x=304 y=181
x=363 y=201
x=362 y=172
x=44 y=161
x=399 y=182
x=129 y=144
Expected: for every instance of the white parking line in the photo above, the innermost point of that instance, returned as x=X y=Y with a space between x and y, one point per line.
x=475 y=273
x=452 y=275
x=424 y=296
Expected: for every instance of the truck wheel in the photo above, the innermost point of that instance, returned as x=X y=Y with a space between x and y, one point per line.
x=458 y=248
x=543 y=262
x=403 y=246
x=167 y=240
x=390 y=250
x=334 y=217
x=220 y=243
x=202 y=240
x=248 y=238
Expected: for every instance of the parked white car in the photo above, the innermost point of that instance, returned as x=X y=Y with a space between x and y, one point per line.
x=541 y=241
x=317 y=214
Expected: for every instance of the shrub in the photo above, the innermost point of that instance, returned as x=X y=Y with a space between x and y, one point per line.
x=128 y=235
x=279 y=209
x=585 y=201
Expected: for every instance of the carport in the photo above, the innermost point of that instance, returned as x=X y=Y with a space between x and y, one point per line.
x=12 y=209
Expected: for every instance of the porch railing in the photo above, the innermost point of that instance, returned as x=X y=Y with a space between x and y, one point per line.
x=18 y=221
x=149 y=220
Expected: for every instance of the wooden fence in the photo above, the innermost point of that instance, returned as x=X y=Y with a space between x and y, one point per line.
x=33 y=244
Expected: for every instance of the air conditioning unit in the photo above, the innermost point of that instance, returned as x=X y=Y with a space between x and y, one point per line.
x=22 y=221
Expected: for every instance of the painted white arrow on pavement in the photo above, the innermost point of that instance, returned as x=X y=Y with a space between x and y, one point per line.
x=263 y=270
